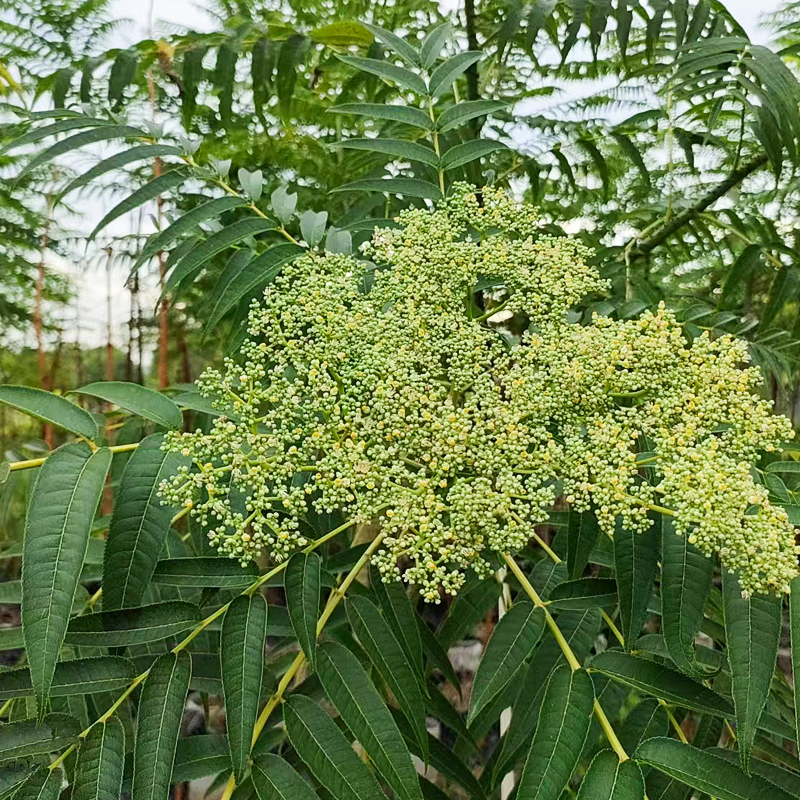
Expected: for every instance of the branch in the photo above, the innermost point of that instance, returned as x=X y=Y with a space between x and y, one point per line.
x=669 y=227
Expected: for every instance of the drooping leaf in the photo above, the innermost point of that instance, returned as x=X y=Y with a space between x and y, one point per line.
x=150 y=191
x=635 y=565
x=29 y=737
x=201 y=756
x=443 y=76
x=582 y=535
x=276 y=779
x=80 y=676
x=685 y=584
x=59 y=518
x=39 y=134
x=584 y=593
x=42 y=785
x=399 y=613
x=349 y=688
x=244 y=634
x=139 y=525
x=391 y=660
x=101 y=762
x=468 y=608
x=794 y=625
x=186 y=223
x=302 y=584
x=50 y=408
x=132 y=626
x=564 y=721
x=408 y=187
x=610 y=779
x=388 y=71
x=204 y=571
x=645 y=720
x=394 y=113
x=753 y=633
x=254 y=272
x=511 y=642
x=461 y=154
x=782 y=778
x=705 y=771
x=158 y=724
x=660 y=681
x=329 y=756
x=137 y=399
x=142 y=152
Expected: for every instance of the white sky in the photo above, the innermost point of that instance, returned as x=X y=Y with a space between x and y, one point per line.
x=159 y=16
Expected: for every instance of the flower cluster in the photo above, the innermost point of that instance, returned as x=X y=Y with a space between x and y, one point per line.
x=384 y=389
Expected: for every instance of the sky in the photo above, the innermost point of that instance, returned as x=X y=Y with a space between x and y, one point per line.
x=159 y=17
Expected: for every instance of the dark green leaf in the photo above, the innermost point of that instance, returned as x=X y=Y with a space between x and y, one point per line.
x=388 y=71
x=511 y=642
x=302 y=584
x=635 y=565
x=433 y=43
x=57 y=526
x=49 y=407
x=253 y=273
x=394 y=113
x=398 y=148
x=783 y=778
x=469 y=151
x=443 y=76
x=349 y=688
x=158 y=724
x=329 y=756
x=794 y=625
x=101 y=761
x=27 y=737
x=610 y=779
x=408 y=187
x=397 y=45
x=42 y=785
x=584 y=593
x=138 y=400
x=660 y=681
x=204 y=571
x=80 y=676
x=705 y=771
x=581 y=538
x=457 y=115
x=123 y=71
x=187 y=223
x=194 y=260
x=244 y=635
x=391 y=661
x=275 y=779
x=753 y=633
x=132 y=626
x=201 y=756
x=561 y=732
x=685 y=583
x=139 y=525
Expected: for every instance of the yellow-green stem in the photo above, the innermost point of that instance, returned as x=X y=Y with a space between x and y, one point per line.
x=334 y=599
x=569 y=654
x=37 y=462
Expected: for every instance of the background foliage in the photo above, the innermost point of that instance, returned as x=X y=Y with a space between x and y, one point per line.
x=139 y=659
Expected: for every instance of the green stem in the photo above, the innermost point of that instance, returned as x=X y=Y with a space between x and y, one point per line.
x=569 y=654
x=334 y=599
x=37 y=462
